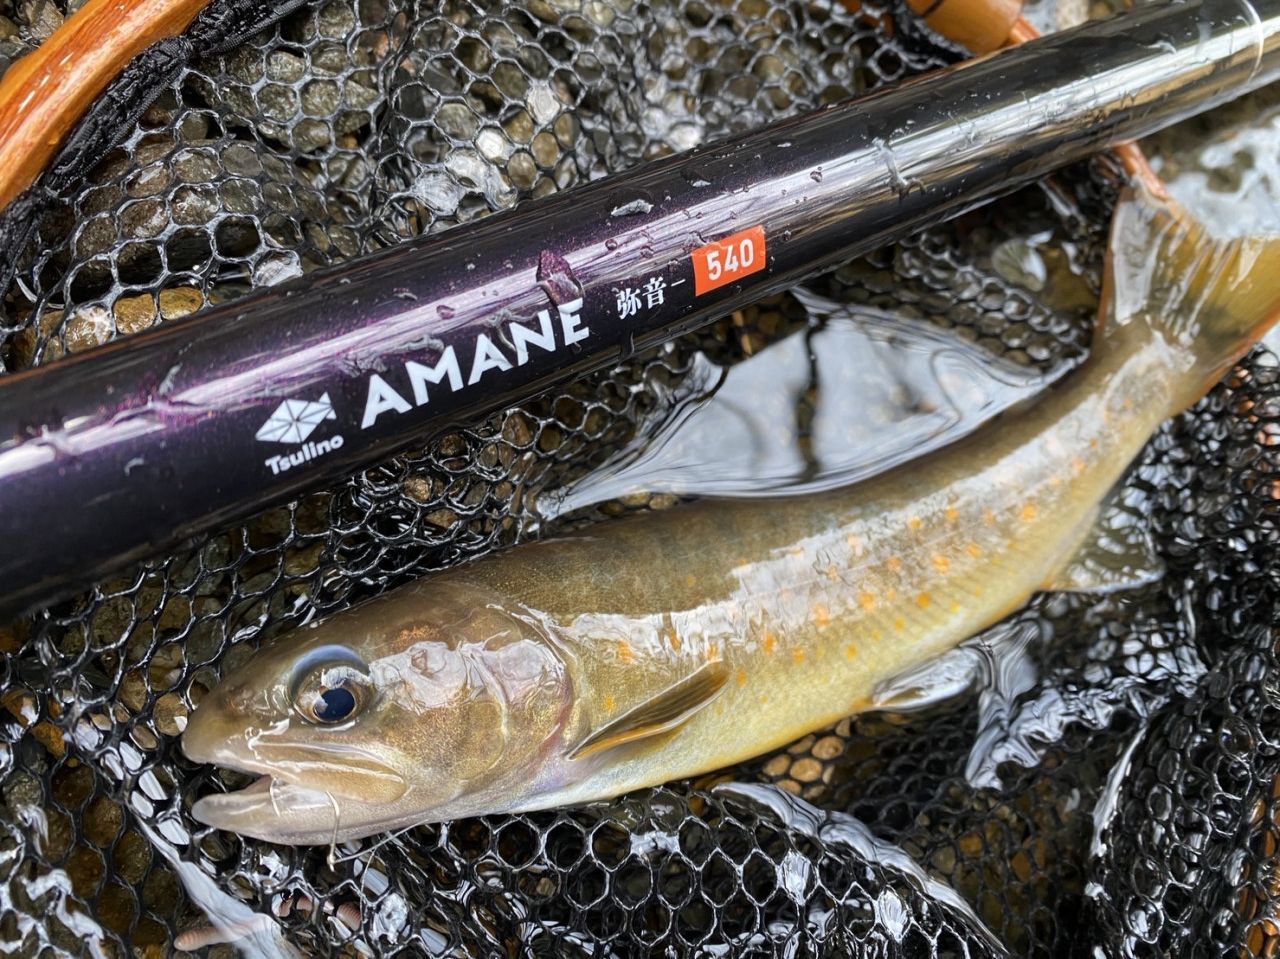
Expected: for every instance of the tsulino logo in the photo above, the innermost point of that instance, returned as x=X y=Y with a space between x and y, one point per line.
x=293 y=421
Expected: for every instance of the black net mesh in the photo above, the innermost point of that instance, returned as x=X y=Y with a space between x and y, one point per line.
x=1130 y=802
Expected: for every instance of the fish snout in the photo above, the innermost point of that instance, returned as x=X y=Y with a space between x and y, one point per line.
x=207 y=737
x=220 y=729
x=221 y=738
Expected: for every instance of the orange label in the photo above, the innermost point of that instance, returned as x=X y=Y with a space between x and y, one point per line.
x=724 y=261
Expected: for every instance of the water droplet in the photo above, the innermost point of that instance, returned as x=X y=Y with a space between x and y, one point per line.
x=446 y=312
x=611 y=244
x=555 y=276
x=402 y=293
x=816 y=175
x=696 y=177
x=632 y=207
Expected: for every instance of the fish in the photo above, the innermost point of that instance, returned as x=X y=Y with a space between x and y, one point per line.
x=670 y=644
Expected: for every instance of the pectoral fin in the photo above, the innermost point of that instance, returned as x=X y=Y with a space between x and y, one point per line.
x=1117 y=553
x=663 y=713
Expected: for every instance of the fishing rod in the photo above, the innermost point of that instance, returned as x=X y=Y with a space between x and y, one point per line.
x=211 y=418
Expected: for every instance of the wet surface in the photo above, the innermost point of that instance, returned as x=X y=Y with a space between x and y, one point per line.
x=854 y=393
x=276 y=158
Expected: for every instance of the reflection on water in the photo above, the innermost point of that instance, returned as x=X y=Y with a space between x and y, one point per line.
x=857 y=392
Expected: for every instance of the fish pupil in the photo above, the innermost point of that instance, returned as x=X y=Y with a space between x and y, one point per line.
x=335 y=705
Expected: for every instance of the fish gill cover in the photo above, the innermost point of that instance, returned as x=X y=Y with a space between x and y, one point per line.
x=1120 y=797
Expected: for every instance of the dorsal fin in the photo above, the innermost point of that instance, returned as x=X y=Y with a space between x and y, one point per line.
x=662 y=713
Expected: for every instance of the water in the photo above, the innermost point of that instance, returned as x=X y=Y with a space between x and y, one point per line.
x=856 y=393
x=840 y=829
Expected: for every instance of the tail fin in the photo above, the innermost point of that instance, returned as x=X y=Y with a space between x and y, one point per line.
x=1212 y=299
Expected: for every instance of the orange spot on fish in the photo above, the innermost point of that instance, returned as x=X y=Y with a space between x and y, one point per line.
x=941 y=563
x=867 y=601
x=1077 y=466
x=952 y=514
x=609 y=703
x=1093 y=443
x=1028 y=513
x=770 y=643
x=915 y=522
x=797 y=655
x=713 y=652
x=894 y=563
x=923 y=600
x=676 y=642
x=832 y=572
x=899 y=623
x=974 y=550
x=955 y=606
x=741 y=677
x=626 y=653
x=821 y=615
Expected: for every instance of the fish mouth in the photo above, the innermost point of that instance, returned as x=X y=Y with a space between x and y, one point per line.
x=285 y=813
x=275 y=811
x=304 y=794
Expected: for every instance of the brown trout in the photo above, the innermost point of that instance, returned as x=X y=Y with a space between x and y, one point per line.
x=675 y=643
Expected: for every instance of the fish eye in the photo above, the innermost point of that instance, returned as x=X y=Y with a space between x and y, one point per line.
x=331 y=693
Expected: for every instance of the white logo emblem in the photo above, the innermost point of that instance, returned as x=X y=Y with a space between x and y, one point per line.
x=294 y=420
